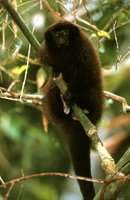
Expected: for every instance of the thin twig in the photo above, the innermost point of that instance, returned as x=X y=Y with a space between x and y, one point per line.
x=26 y=71
x=25 y=77
x=113 y=66
x=120 y=17
x=121 y=100
x=125 y=55
x=74 y=7
x=3 y=36
x=12 y=84
x=52 y=174
x=7 y=195
x=8 y=95
x=21 y=186
x=2 y=180
x=117 y=46
x=88 y=13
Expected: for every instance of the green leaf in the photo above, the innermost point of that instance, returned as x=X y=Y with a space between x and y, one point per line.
x=18 y=70
x=102 y=33
x=42 y=77
x=14 y=48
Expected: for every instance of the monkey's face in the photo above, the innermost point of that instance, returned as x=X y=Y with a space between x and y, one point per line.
x=61 y=35
x=61 y=38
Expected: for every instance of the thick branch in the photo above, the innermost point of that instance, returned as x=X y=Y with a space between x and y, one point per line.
x=115 y=188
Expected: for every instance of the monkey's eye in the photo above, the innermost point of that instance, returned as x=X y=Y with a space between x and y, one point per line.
x=56 y=34
x=65 y=33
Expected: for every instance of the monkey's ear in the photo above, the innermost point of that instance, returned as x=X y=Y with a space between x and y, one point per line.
x=75 y=30
x=48 y=38
x=47 y=35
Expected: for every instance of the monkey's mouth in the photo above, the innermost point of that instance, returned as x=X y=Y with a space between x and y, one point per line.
x=63 y=44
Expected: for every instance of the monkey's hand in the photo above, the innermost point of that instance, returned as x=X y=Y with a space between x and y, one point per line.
x=69 y=98
x=55 y=73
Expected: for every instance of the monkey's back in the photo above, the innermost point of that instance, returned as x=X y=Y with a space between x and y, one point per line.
x=92 y=89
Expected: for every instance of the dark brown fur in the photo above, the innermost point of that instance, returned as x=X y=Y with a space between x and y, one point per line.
x=80 y=66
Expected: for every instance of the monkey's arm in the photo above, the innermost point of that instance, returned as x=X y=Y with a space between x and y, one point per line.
x=75 y=91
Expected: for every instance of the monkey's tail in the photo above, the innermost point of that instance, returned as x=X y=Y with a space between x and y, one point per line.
x=79 y=146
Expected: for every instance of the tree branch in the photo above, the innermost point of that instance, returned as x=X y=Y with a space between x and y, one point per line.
x=115 y=188
x=28 y=98
x=121 y=100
